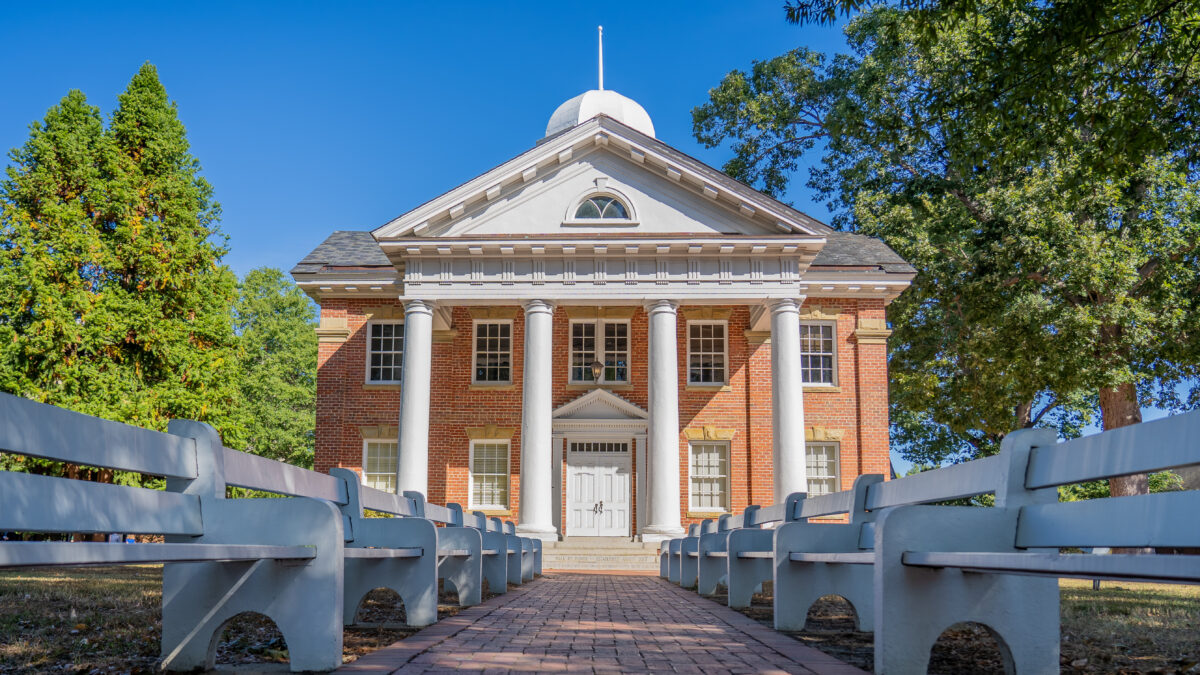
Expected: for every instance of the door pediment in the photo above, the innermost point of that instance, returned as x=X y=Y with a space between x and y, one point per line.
x=600 y=404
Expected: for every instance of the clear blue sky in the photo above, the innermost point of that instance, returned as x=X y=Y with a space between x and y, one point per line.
x=313 y=117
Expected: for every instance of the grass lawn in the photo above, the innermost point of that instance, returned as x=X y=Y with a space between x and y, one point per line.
x=108 y=619
x=1122 y=628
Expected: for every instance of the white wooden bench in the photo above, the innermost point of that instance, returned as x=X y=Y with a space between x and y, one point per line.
x=324 y=556
x=280 y=557
x=932 y=566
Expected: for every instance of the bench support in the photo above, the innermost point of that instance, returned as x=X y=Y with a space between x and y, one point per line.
x=799 y=585
x=913 y=605
x=711 y=570
x=413 y=579
x=746 y=575
x=463 y=573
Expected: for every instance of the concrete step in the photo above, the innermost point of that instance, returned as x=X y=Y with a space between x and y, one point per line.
x=610 y=555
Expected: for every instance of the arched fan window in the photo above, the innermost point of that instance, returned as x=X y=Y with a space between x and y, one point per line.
x=601 y=206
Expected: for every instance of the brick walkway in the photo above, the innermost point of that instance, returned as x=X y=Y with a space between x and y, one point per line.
x=602 y=623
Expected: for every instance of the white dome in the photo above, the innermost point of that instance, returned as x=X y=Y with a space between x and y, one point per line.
x=600 y=102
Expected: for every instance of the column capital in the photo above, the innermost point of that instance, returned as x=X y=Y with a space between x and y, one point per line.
x=418 y=307
x=538 y=306
x=659 y=306
x=786 y=305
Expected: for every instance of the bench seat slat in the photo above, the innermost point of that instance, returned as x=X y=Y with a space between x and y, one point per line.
x=491 y=551
x=386 y=502
x=862 y=558
x=384 y=552
x=1178 y=568
x=831 y=504
x=693 y=554
x=1142 y=520
x=717 y=554
x=41 y=430
x=50 y=553
x=751 y=555
x=31 y=503
x=453 y=552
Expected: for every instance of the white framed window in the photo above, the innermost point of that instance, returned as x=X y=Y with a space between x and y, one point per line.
x=708 y=476
x=601 y=207
x=707 y=352
x=824 y=462
x=492 y=352
x=379 y=464
x=489 y=474
x=385 y=351
x=818 y=353
x=603 y=341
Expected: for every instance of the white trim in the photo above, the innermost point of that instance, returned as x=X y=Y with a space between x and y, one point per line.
x=725 y=354
x=367 y=349
x=475 y=323
x=362 y=476
x=599 y=349
x=833 y=325
x=727 y=498
x=471 y=503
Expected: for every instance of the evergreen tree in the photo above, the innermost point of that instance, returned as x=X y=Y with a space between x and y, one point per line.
x=275 y=321
x=113 y=299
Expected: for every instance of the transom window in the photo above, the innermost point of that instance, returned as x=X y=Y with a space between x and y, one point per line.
x=822 y=462
x=603 y=341
x=706 y=352
x=379 y=465
x=489 y=474
x=601 y=206
x=385 y=351
x=493 y=352
x=709 y=477
x=818 y=354
x=598 y=446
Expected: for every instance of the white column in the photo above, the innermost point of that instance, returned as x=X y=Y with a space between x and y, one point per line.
x=412 y=471
x=787 y=400
x=664 y=521
x=536 y=518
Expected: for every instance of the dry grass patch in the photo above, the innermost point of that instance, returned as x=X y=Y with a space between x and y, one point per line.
x=1121 y=628
x=109 y=619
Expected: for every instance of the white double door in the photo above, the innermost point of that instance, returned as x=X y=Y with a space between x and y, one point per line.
x=598 y=494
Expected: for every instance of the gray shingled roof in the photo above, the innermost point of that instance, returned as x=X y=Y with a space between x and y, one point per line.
x=847 y=249
x=350 y=248
x=344 y=248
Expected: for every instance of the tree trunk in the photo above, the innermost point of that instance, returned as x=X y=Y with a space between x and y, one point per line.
x=1024 y=413
x=1119 y=408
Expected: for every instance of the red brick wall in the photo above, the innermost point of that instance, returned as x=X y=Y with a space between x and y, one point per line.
x=857 y=408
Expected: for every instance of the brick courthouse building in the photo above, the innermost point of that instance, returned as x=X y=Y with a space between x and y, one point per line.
x=604 y=337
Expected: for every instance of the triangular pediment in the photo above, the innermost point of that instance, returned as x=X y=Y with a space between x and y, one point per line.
x=600 y=404
x=536 y=194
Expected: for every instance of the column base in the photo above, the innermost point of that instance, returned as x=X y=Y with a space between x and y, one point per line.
x=533 y=532
x=662 y=534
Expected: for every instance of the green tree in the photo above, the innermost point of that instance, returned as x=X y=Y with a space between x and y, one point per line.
x=1046 y=285
x=113 y=299
x=275 y=321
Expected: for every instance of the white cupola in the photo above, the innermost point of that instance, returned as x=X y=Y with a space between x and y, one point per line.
x=600 y=101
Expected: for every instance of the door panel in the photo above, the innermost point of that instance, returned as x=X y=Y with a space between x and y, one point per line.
x=598 y=499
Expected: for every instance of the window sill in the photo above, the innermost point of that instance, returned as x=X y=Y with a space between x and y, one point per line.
x=381 y=386
x=600 y=222
x=489 y=386
x=705 y=514
x=821 y=389
x=578 y=386
x=491 y=513
x=708 y=387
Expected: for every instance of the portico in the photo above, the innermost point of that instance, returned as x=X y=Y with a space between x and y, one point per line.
x=603 y=337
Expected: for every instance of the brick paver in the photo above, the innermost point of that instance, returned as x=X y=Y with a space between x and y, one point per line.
x=602 y=623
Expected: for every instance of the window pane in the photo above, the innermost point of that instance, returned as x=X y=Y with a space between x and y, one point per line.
x=706 y=353
x=821 y=460
x=379 y=465
x=817 y=354
x=385 y=351
x=489 y=474
x=493 y=352
x=588 y=209
x=710 y=476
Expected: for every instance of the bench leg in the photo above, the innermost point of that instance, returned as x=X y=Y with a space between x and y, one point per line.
x=495 y=567
x=464 y=573
x=664 y=560
x=537 y=557
x=799 y=585
x=914 y=605
x=527 y=562
x=303 y=598
x=513 y=545
x=413 y=579
x=688 y=566
x=673 y=560
x=710 y=572
x=746 y=575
